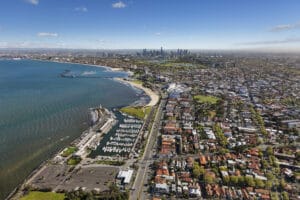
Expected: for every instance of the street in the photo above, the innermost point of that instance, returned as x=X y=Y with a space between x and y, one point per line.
x=138 y=185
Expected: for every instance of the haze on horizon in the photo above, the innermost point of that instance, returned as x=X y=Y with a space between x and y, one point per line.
x=132 y=24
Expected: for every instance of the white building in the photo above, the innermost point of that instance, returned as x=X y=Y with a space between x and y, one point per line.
x=125 y=176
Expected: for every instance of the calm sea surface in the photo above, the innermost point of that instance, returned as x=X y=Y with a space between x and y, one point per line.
x=41 y=112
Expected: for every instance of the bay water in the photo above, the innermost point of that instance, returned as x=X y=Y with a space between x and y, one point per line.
x=41 y=112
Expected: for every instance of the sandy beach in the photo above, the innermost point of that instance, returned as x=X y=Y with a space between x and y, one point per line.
x=153 y=96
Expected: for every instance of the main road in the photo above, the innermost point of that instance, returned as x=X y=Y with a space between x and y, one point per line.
x=145 y=161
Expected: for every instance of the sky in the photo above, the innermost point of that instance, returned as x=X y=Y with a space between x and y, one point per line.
x=136 y=24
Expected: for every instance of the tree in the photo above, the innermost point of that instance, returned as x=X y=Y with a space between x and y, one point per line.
x=273 y=161
x=220 y=135
x=268 y=184
x=197 y=170
x=226 y=179
x=220 y=108
x=274 y=196
x=241 y=181
x=285 y=196
x=249 y=181
x=208 y=178
x=259 y=183
x=223 y=151
x=234 y=180
x=275 y=183
x=282 y=184
x=269 y=151
x=270 y=176
x=264 y=164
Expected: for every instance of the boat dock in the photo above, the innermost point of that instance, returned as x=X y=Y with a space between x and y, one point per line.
x=123 y=139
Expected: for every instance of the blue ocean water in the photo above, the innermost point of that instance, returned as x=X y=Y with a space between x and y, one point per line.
x=41 y=112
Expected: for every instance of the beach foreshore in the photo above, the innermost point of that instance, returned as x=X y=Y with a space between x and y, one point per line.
x=153 y=96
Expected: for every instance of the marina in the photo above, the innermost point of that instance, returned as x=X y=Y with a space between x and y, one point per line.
x=121 y=139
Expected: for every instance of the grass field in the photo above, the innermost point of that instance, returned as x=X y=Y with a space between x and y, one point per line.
x=206 y=99
x=43 y=196
x=69 y=151
x=138 y=112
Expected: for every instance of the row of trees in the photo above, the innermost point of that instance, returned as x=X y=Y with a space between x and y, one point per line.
x=112 y=194
x=240 y=181
x=258 y=120
x=220 y=135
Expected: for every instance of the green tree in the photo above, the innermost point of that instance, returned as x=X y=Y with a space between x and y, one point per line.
x=274 y=196
x=226 y=179
x=276 y=183
x=259 y=183
x=282 y=184
x=249 y=181
x=208 y=178
x=241 y=181
x=220 y=135
x=264 y=164
x=269 y=151
x=270 y=176
x=234 y=180
x=285 y=196
x=197 y=170
x=268 y=184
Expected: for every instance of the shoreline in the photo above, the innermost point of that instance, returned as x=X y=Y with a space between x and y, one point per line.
x=153 y=96
x=154 y=100
x=16 y=193
x=108 y=68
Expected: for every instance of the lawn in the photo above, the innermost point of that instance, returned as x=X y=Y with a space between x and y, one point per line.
x=111 y=162
x=138 y=112
x=70 y=150
x=74 y=160
x=137 y=81
x=34 y=195
x=206 y=99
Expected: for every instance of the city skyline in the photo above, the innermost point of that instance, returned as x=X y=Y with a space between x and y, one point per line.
x=88 y=24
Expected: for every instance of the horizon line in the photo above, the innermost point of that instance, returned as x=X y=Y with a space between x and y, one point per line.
x=271 y=50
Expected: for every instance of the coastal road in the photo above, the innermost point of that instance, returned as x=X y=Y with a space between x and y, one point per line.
x=145 y=161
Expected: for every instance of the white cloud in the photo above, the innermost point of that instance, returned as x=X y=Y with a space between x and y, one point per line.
x=45 y=34
x=81 y=9
x=272 y=42
x=3 y=44
x=101 y=41
x=285 y=27
x=32 y=44
x=33 y=2
x=119 y=4
x=158 y=34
